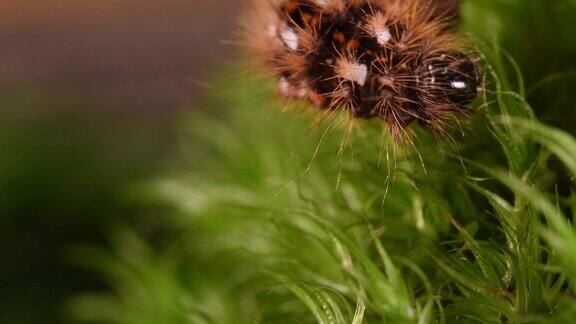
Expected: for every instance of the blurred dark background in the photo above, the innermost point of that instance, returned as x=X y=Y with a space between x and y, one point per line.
x=89 y=91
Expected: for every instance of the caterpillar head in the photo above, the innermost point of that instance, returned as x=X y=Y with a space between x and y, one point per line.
x=451 y=78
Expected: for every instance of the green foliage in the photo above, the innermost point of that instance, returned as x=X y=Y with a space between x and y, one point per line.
x=272 y=220
x=62 y=168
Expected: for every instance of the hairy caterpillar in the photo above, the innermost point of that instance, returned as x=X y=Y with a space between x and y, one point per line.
x=396 y=60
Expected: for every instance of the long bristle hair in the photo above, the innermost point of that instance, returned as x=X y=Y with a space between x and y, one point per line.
x=397 y=60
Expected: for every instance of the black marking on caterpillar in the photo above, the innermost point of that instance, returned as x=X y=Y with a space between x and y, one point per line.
x=396 y=60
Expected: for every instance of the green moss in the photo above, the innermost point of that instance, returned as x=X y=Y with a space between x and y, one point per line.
x=274 y=221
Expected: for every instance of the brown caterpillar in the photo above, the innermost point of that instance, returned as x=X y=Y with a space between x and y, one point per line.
x=397 y=60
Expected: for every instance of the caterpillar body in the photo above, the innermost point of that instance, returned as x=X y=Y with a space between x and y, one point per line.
x=397 y=60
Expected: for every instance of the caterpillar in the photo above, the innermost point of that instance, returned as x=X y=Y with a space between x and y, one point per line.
x=397 y=60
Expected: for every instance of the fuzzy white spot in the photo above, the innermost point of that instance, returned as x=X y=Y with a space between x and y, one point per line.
x=303 y=91
x=272 y=31
x=360 y=74
x=329 y=61
x=354 y=72
x=289 y=38
x=284 y=87
x=458 y=84
x=383 y=35
x=288 y=90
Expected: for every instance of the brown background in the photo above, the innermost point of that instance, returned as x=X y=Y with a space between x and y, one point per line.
x=135 y=54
